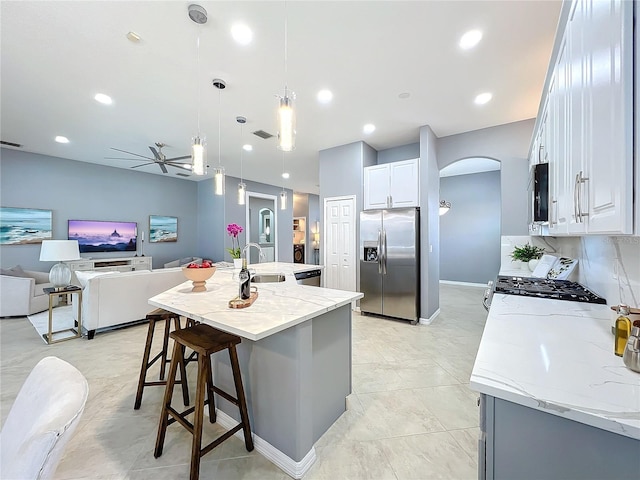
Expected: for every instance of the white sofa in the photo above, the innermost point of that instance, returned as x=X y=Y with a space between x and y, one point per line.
x=117 y=298
x=21 y=292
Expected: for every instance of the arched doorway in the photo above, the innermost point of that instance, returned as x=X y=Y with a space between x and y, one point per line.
x=470 y=230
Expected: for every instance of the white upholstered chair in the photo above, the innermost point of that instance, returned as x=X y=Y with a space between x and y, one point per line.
x=42 y=419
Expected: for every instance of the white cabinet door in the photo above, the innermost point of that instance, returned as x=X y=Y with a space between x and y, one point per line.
x=606 y=194
x=376 y=187
x=404 y=188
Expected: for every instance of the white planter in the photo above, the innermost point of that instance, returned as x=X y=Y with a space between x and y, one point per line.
x=533 y=263
x=237 y=263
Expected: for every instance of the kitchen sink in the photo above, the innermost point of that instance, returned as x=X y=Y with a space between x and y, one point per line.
x=268 y=278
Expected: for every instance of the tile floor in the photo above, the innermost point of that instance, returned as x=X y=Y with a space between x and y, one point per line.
x=411 y=414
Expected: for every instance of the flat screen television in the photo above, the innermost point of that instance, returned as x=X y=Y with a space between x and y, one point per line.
x=100 y=236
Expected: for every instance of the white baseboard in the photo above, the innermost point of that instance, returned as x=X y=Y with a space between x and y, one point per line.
x=464 y=284
x=427 y=321
x=286 y=464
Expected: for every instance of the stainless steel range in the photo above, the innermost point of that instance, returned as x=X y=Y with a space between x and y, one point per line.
x=541 y=288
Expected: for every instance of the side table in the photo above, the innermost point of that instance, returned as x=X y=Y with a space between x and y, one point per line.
x=53 y=292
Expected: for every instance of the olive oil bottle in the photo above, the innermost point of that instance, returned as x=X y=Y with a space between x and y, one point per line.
x=623 y=329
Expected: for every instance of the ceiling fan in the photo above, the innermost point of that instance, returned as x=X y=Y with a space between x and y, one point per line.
x=158 y=158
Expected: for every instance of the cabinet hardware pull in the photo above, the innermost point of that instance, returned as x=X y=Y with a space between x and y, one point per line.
x=551 y=222
x=576 y=215
x=581 y=180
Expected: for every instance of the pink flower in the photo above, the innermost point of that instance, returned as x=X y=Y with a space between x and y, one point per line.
x=234 y=230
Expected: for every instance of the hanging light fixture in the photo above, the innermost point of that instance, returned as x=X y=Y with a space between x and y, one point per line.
x=444 y=207
x=242 y=187
x=283 y=193
x=198 y=153
x=218 y=172
x=286 y=107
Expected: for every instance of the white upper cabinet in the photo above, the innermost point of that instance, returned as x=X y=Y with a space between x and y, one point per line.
x=392 y=185
x=589 y=124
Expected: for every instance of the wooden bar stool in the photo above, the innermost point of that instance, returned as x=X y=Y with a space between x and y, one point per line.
x=204 y=340
x=159 y=315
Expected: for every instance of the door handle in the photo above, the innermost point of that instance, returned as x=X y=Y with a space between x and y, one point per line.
x=384 y=255
x=379 y=252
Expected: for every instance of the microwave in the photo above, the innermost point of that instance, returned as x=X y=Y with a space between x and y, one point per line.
x=541 y=192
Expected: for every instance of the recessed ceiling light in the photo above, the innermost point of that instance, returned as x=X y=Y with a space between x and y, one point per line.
x=134 y=37
x=483 y=98
x=404 y=95
x=102 y=98
x=325 y=96
x=241 y=34
x=247 y=148
x=285 y=175
x=61 y=139
x=470 y=39
x=369 y=128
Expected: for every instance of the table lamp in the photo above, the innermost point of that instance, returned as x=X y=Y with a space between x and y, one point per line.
x=59 y=251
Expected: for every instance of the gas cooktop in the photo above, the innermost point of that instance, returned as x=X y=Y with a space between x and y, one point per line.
x=546 y=288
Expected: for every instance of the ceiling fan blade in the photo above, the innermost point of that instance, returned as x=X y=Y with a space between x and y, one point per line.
x=131 y=153
x=143 y=164
x=155 y=153
x=181 y=166
x=121 y=158
x=162 y=167
x=177 y=158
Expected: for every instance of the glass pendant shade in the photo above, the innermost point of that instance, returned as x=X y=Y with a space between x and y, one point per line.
x=283 y=200
x=287 y=122
x=218 y=181
x=198 y=160
x=242 y=193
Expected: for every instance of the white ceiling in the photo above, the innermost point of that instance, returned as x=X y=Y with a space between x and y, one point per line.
x=57 y=55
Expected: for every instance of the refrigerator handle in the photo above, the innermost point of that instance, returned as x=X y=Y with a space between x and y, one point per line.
x=384 y=255
x=379 y=252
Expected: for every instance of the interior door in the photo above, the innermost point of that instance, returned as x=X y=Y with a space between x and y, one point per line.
x=340 y=243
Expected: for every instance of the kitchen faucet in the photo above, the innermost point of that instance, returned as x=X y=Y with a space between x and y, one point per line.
x=261 y=254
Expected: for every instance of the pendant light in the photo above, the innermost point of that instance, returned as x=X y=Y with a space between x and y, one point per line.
x=283 y=193
x=242 y=187
x=198 y=153
x=218 y=172
x=286 y=107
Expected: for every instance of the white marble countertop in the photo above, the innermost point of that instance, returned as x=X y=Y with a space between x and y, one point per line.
x=279 y=305
x=557 y=356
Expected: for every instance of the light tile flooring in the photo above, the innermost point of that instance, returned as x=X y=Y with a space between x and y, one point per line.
x=411 y=414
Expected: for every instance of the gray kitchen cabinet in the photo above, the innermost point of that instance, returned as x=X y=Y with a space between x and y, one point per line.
x=392 y=185
x=525 y=443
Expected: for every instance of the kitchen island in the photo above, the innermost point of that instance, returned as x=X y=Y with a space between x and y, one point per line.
x=555 y=401
x=295 y=356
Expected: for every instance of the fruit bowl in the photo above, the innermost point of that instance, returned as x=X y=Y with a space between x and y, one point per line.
x=199 y=276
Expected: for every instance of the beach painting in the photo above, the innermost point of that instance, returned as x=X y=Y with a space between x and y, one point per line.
x=22 y=226
x=163 y=229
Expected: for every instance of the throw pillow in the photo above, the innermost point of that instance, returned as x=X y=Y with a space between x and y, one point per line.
x=16 y=271
x=84 y=277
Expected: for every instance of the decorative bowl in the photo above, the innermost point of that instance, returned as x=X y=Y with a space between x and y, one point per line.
x=198 y=277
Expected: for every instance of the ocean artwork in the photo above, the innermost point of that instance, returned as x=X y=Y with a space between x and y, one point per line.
x=101 y=236
x=22 y=226
x=163 y=229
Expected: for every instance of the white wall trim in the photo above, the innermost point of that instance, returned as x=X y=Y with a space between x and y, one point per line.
x=286 y=464
x=427 y=321
x=464 y=284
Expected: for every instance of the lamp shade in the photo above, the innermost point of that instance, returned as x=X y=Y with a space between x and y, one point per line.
x=59 y=250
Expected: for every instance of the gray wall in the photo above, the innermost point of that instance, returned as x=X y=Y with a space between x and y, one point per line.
x=470 y=231
x=508 y=144
x=397 y=154
x=84 y=191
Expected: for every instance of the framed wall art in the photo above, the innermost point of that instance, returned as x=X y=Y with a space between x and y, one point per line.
x=163 y=229
x=23 y=226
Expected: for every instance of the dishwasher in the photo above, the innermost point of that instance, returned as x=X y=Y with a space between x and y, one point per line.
x=310 y=277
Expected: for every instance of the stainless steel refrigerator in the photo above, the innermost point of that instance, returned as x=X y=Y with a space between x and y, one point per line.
x=390 y=263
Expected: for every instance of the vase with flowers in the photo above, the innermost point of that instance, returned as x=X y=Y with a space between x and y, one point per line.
x=528 y=255
x=233 y=230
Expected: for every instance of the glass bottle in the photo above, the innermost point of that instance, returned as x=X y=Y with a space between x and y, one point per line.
x=245 y=281
x=623 y=329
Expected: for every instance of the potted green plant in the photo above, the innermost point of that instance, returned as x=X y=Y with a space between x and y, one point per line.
x=528 y=254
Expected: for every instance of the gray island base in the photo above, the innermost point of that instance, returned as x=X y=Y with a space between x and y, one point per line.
x=295 y=358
